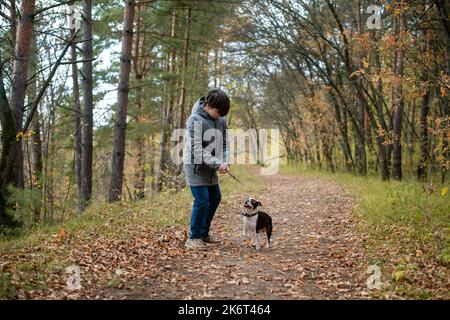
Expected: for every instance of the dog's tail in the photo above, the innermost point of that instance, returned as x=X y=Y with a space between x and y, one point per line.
x=269 y=231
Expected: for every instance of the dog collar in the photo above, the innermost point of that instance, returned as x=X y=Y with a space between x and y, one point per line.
x=250 y=215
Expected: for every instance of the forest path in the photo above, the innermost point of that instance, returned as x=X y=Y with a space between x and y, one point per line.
x=316 y=251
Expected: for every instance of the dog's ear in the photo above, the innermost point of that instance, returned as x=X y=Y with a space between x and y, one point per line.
x=258 y=203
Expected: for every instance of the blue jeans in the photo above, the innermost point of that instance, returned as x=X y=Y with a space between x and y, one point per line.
x=206 y=201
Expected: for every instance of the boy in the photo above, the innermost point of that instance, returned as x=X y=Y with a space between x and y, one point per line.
x=205 y=152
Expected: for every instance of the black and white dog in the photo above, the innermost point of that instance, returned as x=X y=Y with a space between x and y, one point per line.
x=256 y=221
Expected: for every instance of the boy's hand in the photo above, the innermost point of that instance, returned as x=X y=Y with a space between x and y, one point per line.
x=224 y=168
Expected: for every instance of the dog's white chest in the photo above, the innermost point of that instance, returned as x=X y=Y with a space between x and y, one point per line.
x=250 y=222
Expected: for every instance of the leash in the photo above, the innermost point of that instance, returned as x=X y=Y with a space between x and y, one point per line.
x=231 y=175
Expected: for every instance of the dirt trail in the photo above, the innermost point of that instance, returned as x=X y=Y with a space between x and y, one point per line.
x=316 y=251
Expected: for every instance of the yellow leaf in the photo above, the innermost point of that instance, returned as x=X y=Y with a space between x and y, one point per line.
x=399 y=275
x=19 y=135
x=444 y=191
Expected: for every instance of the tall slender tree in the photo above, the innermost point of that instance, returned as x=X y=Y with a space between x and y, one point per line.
x=398 y=101
x=115 y=188
x=88 y=106
x=425 y=108
x=19 y=80
x=182 y=102
x=168 y=109
x=7 y=156
x=34 y=142
x=78 y=152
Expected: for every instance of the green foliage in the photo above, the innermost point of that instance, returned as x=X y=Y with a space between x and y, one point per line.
x=407 y=202
x=27 y=204
x=445 y=255
x=6 y=288
x=114 y=282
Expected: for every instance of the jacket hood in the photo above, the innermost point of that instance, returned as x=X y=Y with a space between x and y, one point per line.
x=199 y=108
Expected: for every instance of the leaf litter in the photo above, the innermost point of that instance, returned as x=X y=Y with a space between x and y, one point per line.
x=317 y=253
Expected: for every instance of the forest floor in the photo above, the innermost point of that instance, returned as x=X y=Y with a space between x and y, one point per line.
x=315 y=252
x=318 y=251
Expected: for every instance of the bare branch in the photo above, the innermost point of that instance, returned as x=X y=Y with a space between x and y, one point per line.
x=53 y=6
x=47 y=83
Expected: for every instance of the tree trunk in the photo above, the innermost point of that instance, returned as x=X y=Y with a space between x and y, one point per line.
x=35 y=139
x=167 y=117
x=446 y=114
x=433 y=144
x=205 y=71
x=35 y=142
x=328 y=154
x=7 y=157
x=140 y=146
x=182 y=102
x=19 y=80
x=152 y=161
x=193 y=84
x=361 y=109
x=78 y=115
x=424 y=147
x=216 y=68
x=342 y=125
x=139 y=67
x=422 y=169
x=442 y=6
x=398 y=94
x=13 y=22
x=360 y=139
x=115 y=188
x=88 y=105
x=140 y=174
x=184 y=70
x=411 y=133
x=381 y=126
x=317 y=146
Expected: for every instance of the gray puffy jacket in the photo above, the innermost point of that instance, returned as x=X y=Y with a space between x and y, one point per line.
x=204 y=153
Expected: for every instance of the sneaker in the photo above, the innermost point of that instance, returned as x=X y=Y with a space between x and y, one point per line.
x=196 y=244
x=210 y=241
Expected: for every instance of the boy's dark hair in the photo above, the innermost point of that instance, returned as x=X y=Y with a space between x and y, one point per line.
x=219 y=100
